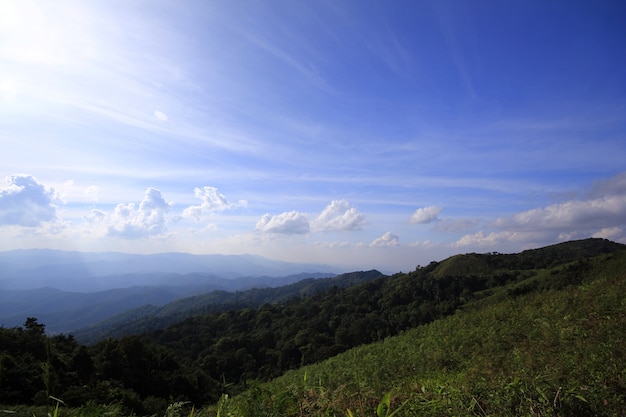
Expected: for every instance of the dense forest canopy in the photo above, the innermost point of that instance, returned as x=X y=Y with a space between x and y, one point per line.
x=228 y=349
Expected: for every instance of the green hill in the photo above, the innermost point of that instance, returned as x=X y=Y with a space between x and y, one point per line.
x=534 y=333
x=558 y=352
x=150 y=318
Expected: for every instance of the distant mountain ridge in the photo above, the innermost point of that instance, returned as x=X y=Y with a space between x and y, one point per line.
x=247 y=343
x=97 y=271
x=150 y=297
x=483 y=270
x=71 y=290
x=65 y=311
x=221 y=340
x=151 y=317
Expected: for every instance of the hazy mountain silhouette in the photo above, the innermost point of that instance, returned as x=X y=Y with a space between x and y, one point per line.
x=87 y=272
x=70 y=290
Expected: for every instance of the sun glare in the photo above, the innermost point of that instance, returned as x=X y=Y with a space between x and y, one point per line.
x=8 y=89
x=43 y=33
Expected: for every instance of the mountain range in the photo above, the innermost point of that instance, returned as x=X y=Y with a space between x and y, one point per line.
x=500 y=334
x=71 y=290
x=92 y=271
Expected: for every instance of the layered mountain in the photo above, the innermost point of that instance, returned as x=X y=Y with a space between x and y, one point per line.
x=149 y=317
x=72 y=290
x=92 y=271
x=499 y=333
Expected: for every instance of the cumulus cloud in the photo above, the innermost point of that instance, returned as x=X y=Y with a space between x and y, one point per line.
x=339 y=215
x=611 y=233
x=425 y=215
x=96 y=215
x=601 y=214
x=26 y=202
x=146 y=220
x=597 y=213
x=212 y=201
x=291 y=222
x=388 y=239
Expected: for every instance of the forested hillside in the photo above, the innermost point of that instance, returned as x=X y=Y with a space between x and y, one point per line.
x=555 y=352
x=205 y=356
x=149 y=317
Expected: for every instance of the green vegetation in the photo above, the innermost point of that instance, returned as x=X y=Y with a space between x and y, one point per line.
x=149 y=317
x=555 y=352
x=535 y=333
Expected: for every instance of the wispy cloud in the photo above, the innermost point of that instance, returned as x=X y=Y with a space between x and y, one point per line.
x=308 y=72
x=343 y=121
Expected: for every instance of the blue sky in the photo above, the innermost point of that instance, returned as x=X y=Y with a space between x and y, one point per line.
x=369 y=134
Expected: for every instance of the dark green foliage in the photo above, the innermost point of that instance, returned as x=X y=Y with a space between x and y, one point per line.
x=231 y=348
x=131 y=372
x=149 y=318
x=555 y=352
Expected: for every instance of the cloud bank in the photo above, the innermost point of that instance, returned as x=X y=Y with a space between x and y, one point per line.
x=601 y=214
x=26 y=202
x=29 y=207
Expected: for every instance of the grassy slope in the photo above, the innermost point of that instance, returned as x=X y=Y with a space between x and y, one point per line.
x=525 y=349
x=556 y=352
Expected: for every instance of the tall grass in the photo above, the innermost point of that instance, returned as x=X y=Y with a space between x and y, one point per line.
x=559 y=352
x=550 y=353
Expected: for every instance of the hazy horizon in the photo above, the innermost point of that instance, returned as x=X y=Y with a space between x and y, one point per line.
x=360 y=133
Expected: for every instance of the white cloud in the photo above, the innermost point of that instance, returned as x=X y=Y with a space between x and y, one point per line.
x=8 y=90
x=291 y=222
x=26 y=202
x=607 y=211
x=160 y=115
x=603 y=215
x=212 y=201
x=147 y=220
x=425 y=244
x=611 y=233
x=339 y=215
x=425 y=215
x=65 y=190
x=496 y=239
x=388 y=239
x=92 y=193
x=96 y=215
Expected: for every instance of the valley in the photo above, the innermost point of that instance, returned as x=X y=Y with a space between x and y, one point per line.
x=484 y=334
